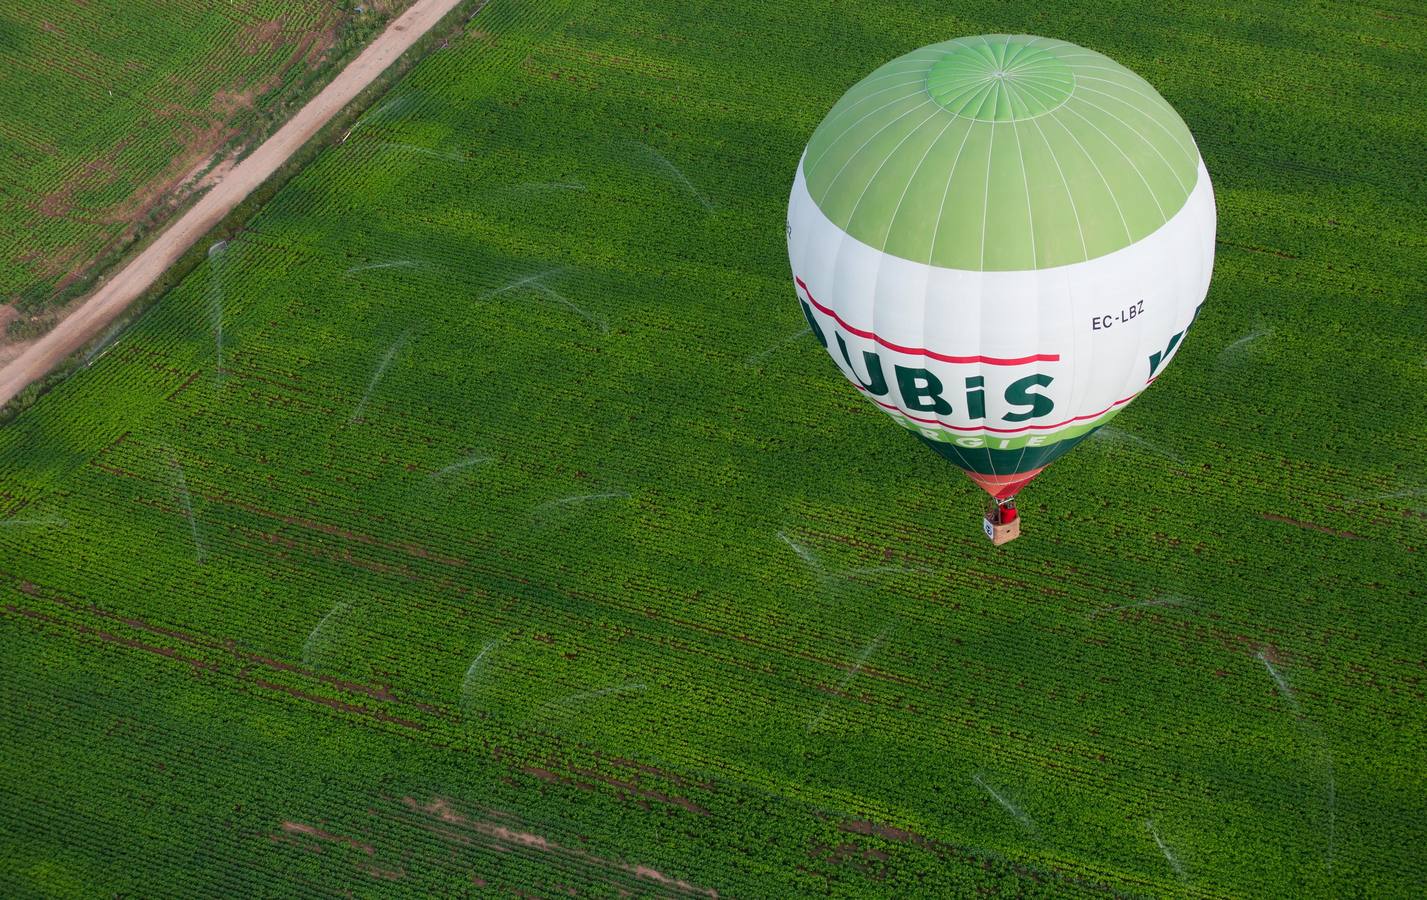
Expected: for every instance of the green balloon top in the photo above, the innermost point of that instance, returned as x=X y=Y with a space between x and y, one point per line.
x=1001 y=153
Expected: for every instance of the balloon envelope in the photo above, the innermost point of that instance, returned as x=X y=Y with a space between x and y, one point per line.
x=1001 y=241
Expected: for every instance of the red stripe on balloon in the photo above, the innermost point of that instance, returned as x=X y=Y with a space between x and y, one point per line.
x=918 y=351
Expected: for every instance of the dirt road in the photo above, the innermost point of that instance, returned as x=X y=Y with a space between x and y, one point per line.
x=124 y=286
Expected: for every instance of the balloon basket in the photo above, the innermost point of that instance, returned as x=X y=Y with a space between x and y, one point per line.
x=1003 y=533
x=1001 y=523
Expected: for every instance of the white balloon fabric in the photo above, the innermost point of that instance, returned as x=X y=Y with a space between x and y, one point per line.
x=1001 y=241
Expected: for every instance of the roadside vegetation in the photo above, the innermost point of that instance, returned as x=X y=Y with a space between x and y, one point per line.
x=115 y=113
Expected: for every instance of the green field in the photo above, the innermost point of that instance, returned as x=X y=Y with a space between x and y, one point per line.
x=480 y=518
x=110 y=107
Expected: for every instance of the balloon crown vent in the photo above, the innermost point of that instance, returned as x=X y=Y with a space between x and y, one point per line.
x=1000 y=81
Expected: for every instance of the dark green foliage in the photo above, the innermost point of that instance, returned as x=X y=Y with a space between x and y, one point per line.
x=523 y=540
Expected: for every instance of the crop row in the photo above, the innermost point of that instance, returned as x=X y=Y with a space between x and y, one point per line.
x=498 y=422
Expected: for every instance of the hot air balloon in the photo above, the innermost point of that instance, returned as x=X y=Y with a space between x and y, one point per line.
x=1001 y=241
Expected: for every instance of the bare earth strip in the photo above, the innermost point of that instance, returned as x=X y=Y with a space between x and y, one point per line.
x=106 y=303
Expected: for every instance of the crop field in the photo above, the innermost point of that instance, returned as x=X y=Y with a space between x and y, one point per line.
x=484 y=519
x=110 y=106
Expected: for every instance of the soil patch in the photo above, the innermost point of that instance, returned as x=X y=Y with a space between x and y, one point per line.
x=1272 y=517
x=261 y=36
x=114 y=296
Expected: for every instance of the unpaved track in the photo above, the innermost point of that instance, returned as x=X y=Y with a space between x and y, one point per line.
x=106 y=303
